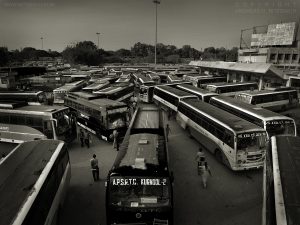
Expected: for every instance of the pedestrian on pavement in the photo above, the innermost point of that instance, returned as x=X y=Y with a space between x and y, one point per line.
x=81 y=137
x=95 y=168
x=200 y=157
x=87 y=139
x=204 y=174
x=115 y=136
x=168 y=131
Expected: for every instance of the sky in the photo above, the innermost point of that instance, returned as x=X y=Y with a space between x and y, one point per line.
x=122 y=23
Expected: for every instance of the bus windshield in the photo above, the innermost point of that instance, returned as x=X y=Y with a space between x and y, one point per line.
x=276 y=127
x=116 y=120
x=251 y=141
x=63 y=123
x=139 y=191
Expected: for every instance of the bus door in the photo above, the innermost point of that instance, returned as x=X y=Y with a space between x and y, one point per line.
x=49 y=129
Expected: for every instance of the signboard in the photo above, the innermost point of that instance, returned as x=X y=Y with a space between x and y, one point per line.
x=277 y=34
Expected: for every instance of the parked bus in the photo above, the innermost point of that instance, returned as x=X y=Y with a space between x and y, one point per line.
x=154 y=77
x=124 y=78
x=146 y=92
x=230 y=89
x=99 y=116
x=119 y=92
x=272 y=122
x=173 y=79
x=144 y=81
x=273 y=100
x=97 y=85
x=281 y=181
x=169 y=97
x=34 y=179
x=139 y=185
x=53 y=121
x=235 y=142
x=202 y=94
x=59 y=93
x=193 y=77
x=202 y=82
x=31 y=97
x=19 y=133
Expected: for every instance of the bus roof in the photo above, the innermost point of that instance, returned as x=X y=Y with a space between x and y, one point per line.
x=27 y=93
x=229 y=120
x=114 y=88
x=82 y=94
x=229 y=84
x=148 y=117
x=195 y=90
x=263 y=92
x=145 y=79
x=288 y=150
x=250 y=109
x=6 y=148
x=41 y=108
x=174 y=91
x=18 y=176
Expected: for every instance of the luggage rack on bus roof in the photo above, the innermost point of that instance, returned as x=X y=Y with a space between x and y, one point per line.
x=12 y=105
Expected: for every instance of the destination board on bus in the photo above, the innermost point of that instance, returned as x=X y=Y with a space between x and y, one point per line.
x=139 y=181
x=276 y=122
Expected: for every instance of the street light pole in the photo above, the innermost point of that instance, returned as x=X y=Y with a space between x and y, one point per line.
x=42 y=43
x=98 y=38
x=156 y=2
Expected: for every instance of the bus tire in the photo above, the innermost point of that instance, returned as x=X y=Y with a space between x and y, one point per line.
x=219 y=155
x=189 y=132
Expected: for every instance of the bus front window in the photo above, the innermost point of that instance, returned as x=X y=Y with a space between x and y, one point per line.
x=280 y=127
x=251 y=141
x=116 y=120
x=63 y=122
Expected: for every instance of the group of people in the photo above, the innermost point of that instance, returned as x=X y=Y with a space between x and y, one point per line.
x=203 y=168
x=85 y=138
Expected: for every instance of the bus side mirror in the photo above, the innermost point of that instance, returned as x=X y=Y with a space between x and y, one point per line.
x=171 y=177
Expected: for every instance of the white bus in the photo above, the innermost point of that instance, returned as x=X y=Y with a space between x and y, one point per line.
x=273 y=100
x=154 y=77
x=281 y=181
x=202 y=94
x=230 y=89
x=272 y=122
x=169 y=97
x=18 y=134
x=34 y=178
x=31 y=97
x=59 y=93
x=53 y=121
x=235 y=142
x=97 y=85
x=203 y=81
x=173 y=79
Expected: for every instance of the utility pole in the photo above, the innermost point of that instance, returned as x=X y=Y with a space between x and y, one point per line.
x=98 y=34
x=156 y=2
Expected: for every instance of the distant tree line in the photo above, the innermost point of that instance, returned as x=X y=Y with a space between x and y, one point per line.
x=87 y=53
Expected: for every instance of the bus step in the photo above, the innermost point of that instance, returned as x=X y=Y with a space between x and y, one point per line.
x=160 y=222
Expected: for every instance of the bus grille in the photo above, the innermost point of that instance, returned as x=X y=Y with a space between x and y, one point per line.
x=254 y=158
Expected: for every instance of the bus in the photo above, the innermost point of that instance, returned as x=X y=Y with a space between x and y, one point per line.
x=202 y=94
x=173 y=79
x=139 y=185
x=294 y=82
x=144 y=81
x=19 y=134
x=59 y=93
x=280 y=100
x=32 y=97
x=124 y=78
x=97 y=85
x=99 y=116
x=272 y=122
x=237 y=143
x=154 y=77
x=146 y=92
x=230 y=89
x=34 y=178
x=202 y=82
x=281 y=181
x=169 y=97
x=192 y=77
x=54 y=121
x=119 y=92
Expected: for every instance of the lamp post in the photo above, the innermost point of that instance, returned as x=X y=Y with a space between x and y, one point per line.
x=42 y=43
x=98 y=34
x=156 y=2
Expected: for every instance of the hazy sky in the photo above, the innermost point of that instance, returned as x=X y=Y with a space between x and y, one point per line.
x=199 y=23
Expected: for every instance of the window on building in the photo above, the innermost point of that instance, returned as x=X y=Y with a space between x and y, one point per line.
x=272 y=56
x=280 y=56
x=287 y=56
x=294 y=56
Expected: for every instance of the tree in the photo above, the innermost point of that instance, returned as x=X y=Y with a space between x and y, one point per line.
x=4 y=56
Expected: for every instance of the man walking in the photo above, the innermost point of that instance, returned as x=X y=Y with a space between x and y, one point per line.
x=95 y=168
x=81 y=137
x=168 y=130
x=115 y=136
x=204 y=174
x=87 y=140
